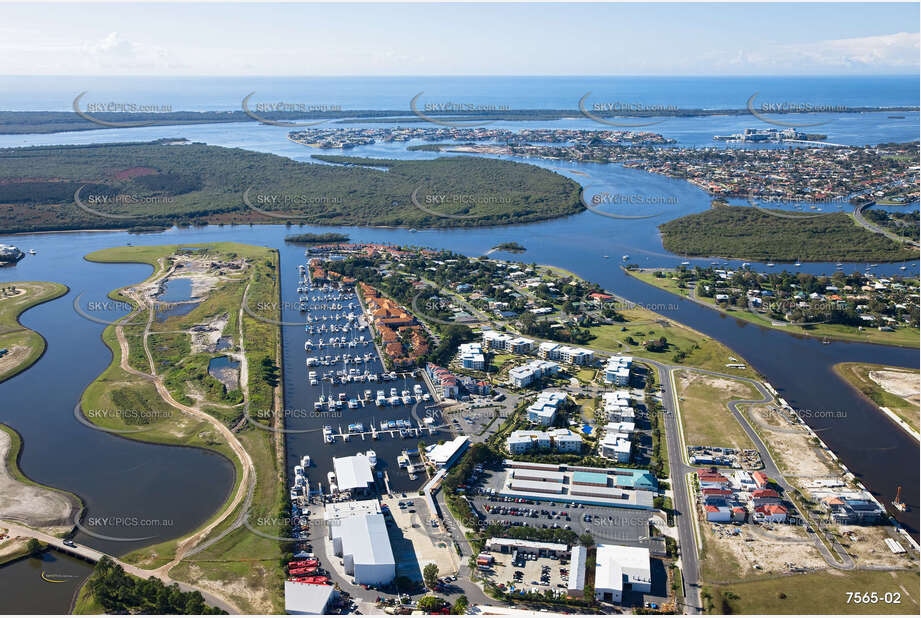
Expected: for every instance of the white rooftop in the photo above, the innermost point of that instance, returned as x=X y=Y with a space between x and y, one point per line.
x=617 y=563
x=365 y=538
x=353 y=472
x=441 y=453
x=307 y=598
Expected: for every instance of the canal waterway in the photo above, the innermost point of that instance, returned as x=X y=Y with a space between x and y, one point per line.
x=115 y=476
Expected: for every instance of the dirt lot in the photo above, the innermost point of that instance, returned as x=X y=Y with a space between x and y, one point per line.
x=420 y=543
x=778 y=550
x=16 y=355
x=790 y=445
x=870 y=546
x=205 y=341
x=900 y=383
x=31 y=504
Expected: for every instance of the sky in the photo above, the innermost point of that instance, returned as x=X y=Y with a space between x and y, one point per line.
x=218 y=39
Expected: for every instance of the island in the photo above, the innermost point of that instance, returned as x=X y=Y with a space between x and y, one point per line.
x=510 y=247
x=38 y=122
x=173 y=182
x=20 y=347
x=316 y=239
x=748 y=233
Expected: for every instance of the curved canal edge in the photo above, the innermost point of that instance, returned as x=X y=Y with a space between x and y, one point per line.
x=205 y=422
x=12 y=332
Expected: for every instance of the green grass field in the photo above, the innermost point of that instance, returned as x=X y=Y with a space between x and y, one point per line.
x=823 y=592
x=24 y=345
x=705 y=415
x=903 y=336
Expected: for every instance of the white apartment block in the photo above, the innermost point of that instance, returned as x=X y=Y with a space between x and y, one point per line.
x=524 y=375
x=543 y=410
x=617 y=370
x=471 y=356
x=562 y=440
x=494 y=340
x=565 y=353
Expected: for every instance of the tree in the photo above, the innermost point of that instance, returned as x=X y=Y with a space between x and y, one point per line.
x=34 y=547
x=430 y=603
x=430 y=574
x=460 y=606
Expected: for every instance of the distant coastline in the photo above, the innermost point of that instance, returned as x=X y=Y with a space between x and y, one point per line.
x=41 y=122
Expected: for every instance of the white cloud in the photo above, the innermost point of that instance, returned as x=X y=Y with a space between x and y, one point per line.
x=114 y=53
x=884 y=53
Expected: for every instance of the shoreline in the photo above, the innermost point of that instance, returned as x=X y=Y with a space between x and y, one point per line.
x=56 y=291
x=895 y=418
x=741 y=315
x=10 y=460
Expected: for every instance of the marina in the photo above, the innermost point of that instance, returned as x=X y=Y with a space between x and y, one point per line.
x=353 y=398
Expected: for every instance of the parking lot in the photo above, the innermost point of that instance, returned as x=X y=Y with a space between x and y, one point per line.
x=605 y=524
x=531 y=573
x=472 y=417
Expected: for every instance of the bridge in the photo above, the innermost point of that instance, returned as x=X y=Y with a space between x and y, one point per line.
x=92 y=555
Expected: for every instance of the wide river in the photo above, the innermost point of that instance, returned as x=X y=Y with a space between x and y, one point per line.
x=116 y=476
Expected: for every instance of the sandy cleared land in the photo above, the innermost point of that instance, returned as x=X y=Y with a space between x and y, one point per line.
x=791 y=445
x=252 y=588
x=895 y=390
x=868 y=543
x=902 y=384
x=31 y=504
x=11 y=547
x=17 y=354
x=776 y=551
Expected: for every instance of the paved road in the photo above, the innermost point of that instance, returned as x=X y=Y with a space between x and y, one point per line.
x=682 y=503
x=842 y=560
x=862 y=221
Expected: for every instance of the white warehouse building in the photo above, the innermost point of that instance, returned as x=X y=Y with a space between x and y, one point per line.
x=618 y=567
x=359 y=535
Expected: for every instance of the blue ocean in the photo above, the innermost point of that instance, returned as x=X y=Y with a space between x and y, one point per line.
x=24 y=93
